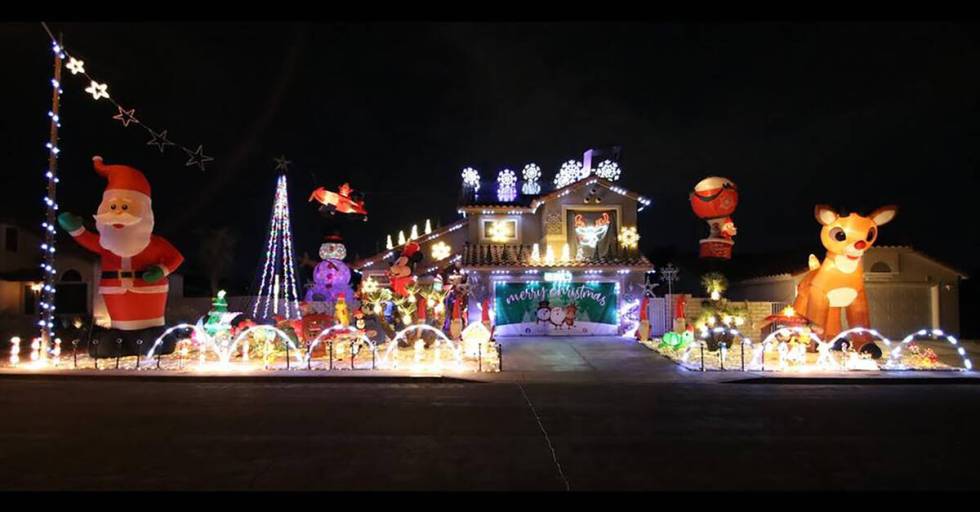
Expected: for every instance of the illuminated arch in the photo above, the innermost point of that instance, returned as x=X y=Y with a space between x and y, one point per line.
x=159 y=340
x=337 y=327
x=860 y=330
x=824 y=349
x=705 y=332
x=791 y=329
x=455 y=346
x=938 y=333
x=225 y=355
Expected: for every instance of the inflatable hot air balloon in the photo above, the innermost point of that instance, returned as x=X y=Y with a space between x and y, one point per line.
x=714 y=199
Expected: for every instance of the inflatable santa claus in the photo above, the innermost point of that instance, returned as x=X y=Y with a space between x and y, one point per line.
x=135 y=263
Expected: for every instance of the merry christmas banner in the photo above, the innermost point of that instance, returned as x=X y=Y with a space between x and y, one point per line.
x=555 y=308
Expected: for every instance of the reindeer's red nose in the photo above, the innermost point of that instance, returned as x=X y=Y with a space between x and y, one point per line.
x=860 y=245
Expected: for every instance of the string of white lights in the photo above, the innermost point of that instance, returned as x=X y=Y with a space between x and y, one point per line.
x=278 y=268
x=127 y=116
x=46 y=306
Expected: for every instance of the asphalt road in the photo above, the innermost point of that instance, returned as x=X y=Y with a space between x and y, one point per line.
x=574 y=414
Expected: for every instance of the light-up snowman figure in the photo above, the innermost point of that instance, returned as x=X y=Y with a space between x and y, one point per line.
x=331 y=279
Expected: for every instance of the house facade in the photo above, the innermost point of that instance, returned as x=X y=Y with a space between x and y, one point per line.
x=565 y=262
x=21 y=277
x=907 y=290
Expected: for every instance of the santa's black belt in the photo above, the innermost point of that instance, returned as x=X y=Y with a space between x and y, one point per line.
x=119 y=274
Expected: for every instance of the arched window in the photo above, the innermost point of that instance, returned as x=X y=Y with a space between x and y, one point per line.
x=71 y=276
x=881 y=267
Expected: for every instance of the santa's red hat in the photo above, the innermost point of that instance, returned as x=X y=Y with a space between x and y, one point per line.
x=122 y=177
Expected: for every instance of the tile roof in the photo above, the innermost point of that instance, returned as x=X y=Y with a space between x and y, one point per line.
x=495 y=255
x=449 y=228
x=761 y=267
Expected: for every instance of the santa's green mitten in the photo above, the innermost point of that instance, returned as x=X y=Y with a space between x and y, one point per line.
x=69 y=221
x=153 y=274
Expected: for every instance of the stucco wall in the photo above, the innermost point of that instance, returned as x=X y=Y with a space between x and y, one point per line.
x=547 y=225
x=757 y=313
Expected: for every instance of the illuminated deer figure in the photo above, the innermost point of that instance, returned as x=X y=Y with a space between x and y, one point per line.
x=838 y=282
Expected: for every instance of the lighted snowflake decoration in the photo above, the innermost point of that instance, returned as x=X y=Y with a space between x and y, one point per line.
x=531 y=173
x=569 y=173
x=441 y=251
x=628 y=237
x=75 y=66
x=608 y=170
x=506 y=178
x=471 y=178
x=369 y=285
x=98 y=90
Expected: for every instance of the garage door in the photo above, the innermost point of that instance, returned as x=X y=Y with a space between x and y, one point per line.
x=898 y=309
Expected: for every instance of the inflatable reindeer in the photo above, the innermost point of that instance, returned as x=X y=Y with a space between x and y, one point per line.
x=838 y=282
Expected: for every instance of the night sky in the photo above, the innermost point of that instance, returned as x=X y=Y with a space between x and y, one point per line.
x=854 y=115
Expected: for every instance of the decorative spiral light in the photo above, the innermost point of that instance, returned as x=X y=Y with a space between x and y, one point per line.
x=608 y=170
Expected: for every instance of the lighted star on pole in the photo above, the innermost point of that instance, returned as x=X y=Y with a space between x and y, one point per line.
x=126 y=116
x=98 y=90
x=159 y=140
x=281 y=163
x=197 y=157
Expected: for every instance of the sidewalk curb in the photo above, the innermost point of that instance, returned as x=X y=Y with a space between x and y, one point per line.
x=305 y=376
x=889 y=380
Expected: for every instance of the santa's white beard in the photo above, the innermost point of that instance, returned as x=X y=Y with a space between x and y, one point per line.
x=129 y=240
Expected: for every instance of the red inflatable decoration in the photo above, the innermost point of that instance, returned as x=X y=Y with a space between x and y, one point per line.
x=400 y=272
x=135 y=263
x=679 y=307
x=343 y=201
x=714 y=199
x=836 y=284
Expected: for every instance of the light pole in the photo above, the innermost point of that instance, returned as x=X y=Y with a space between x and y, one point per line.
x=669 y=275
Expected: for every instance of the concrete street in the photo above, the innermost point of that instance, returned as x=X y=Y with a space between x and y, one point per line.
x=579 y=414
